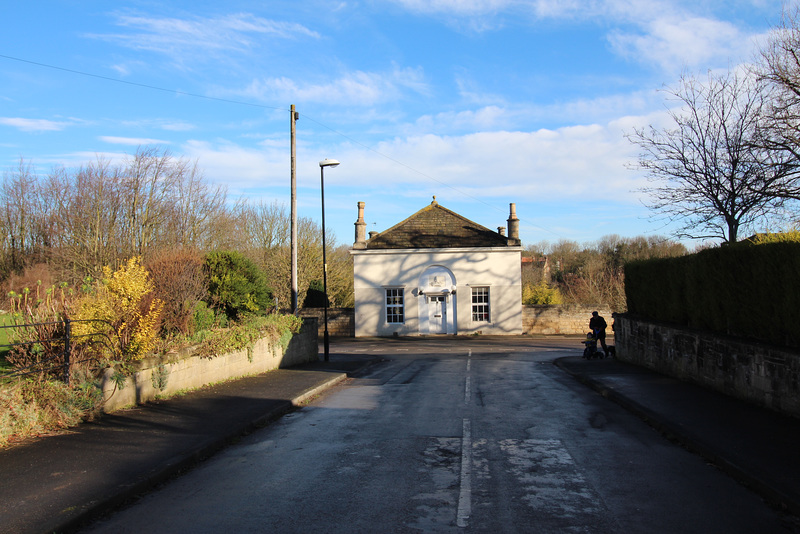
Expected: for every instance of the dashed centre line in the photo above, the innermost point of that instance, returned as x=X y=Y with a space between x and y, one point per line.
x=465 y=493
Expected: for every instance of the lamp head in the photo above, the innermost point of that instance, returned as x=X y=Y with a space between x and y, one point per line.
x=328 y=163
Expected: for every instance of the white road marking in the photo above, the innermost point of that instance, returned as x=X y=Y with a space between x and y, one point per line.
x=467 y=393
x=465 y=494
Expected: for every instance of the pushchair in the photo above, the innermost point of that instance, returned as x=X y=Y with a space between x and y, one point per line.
x=590 y=351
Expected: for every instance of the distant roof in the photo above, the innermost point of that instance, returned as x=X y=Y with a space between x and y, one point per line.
x=435 y=226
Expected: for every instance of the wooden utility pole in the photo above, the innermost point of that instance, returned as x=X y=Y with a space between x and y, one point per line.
x=294 y=116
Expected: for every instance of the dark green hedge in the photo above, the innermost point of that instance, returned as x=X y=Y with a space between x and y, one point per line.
x=236 y=285
x=745 y=290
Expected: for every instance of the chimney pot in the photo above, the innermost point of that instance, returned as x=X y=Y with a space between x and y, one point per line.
x=513 y=226
x=361 y=227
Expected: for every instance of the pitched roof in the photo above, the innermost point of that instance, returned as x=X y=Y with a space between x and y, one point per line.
x=435 y=226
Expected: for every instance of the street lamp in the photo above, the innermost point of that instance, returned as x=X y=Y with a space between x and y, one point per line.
x=322 y=164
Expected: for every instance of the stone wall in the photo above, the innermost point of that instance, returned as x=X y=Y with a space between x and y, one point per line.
x=536 y=320
x=340 y=320
x=565 y=320
x=765 y=375
x=168 y=375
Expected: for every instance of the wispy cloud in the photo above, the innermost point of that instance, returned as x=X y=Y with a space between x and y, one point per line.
x=236 y=166
x=668 y=35
x=357 y=88
x=675 y=43
x=169 y=125
x=34 y=125
x=196 y=36
x=460 y=7
x=132 y=141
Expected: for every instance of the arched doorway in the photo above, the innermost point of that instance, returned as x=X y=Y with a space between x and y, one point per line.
x=437 y=301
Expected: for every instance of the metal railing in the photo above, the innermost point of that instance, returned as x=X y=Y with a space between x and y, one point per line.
x=57 y=359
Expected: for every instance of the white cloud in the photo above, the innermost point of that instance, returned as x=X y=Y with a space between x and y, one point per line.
x=458 y=7
x=487 y=118
x=33 y=125
x=693 y=42
x=238 y=167
x=668 y=34
x=197 y=37
x=177 y=126
x=133 y=141
x=169 y=125
x=558 y=164
x=517 y=115
x=356 y=88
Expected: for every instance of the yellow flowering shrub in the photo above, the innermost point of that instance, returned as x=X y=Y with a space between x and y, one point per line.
x=121 y=313
x=790 y=235
x=540 y=294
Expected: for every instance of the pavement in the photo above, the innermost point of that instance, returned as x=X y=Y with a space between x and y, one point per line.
x=57 y=483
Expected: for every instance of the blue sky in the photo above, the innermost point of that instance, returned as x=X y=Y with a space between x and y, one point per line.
x=479 y=102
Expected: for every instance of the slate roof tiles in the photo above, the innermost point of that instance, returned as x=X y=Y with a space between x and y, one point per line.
x=435 y=226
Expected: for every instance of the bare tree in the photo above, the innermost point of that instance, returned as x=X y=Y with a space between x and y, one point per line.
x=712 y=172
x=780 y=67
x=87 y=214
x=197 y=208
x=149 y=184
x=24 y=220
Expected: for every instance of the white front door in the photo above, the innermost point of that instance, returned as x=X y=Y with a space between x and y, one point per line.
x=437 y=314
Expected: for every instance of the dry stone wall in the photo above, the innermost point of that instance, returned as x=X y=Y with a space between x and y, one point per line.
x=762 y=374
x=561 y=320
x=341 y=321
x=536 y=320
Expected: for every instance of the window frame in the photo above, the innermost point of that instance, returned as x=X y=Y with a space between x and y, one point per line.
x=480 y=309
x=391 y=308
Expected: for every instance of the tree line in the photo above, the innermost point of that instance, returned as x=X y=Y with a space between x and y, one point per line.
x=68 y=224
x=590 y=274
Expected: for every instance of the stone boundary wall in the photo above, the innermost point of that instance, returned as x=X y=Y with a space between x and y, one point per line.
x=171 y=374
x=536 y=320
x=341 y=321
x=564 y=320
x=761 y=374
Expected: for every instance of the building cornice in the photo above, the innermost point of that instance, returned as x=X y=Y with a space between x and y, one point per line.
x=419 y=251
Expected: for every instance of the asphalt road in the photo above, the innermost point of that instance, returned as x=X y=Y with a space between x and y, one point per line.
x=468 y=436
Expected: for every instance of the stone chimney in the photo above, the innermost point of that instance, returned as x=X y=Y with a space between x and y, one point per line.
x=501 y=230
x=513 y=226
x=361 y=229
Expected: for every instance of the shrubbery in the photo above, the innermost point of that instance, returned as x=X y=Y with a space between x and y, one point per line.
x=178 y=282
x=122 y=314
x=236 y=286
x=541 y=294
x=118 y=319
x=745 y=289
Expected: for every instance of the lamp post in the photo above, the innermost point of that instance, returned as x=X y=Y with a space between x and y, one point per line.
x=322 y=164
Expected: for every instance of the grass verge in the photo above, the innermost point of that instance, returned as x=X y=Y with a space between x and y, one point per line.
x=31 y=407
x=5 y=320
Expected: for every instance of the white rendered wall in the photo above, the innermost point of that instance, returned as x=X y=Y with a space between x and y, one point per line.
x=497 y=268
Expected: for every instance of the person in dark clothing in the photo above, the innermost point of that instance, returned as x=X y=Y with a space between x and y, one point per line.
x=598 y=327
